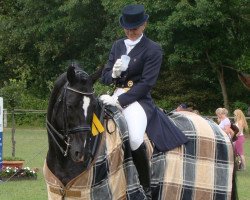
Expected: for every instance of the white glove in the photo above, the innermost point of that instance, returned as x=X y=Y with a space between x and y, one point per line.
x=117 y=69
x=108 y=100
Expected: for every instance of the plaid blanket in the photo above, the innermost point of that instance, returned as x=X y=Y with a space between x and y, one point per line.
x=201 y=169
x=111 y=176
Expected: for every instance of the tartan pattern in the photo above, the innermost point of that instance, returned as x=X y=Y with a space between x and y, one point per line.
x=200 y=169
x=112 y=176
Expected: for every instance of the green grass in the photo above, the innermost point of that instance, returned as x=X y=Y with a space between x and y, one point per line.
x=243 y=177
x=31 y=144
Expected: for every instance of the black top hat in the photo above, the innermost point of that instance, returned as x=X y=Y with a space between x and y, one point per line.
x=133 y=16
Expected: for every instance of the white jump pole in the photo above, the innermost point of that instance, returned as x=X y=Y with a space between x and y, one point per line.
x=1 y=132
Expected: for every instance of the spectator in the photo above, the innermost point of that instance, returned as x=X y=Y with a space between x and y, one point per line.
x=182 y=107
x=241 y=123
x=196 y=112
x=224 y=122
x=185 y=107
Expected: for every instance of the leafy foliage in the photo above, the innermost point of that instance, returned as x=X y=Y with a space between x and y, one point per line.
x=43 y=36
x=38 y=40
x=11 y=158
x=240 y=105
x=11 y=93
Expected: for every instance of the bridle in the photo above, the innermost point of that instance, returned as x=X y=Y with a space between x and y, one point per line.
x=66 y=131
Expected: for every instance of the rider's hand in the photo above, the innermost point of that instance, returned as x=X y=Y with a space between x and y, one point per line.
x=117 y=69
x=108 y=100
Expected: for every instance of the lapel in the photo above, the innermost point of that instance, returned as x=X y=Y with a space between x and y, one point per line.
x=123 y=48
x=138 y=48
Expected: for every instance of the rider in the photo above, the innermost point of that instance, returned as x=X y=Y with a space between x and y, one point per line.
x=133 y=85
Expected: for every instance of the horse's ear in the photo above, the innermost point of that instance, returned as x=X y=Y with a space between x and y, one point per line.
x=71 y=74
x=96 y=75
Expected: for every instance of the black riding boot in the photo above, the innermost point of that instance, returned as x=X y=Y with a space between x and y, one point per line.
x=142 y=165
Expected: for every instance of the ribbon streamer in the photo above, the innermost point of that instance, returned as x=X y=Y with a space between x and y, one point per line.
x=97 y=126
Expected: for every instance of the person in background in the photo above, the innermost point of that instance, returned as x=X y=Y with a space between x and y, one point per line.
x=196 y=112
x=241 y=123
x=224 y=122
x=185 y=107
x=133 y=67
x=182 y=107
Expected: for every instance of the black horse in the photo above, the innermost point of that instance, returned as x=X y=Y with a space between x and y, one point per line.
x=69 y=119
x=84 y=163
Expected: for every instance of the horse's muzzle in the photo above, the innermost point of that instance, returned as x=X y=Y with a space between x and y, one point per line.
x=77 y=157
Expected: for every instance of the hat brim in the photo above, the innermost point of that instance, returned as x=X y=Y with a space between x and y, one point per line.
x=133 y=25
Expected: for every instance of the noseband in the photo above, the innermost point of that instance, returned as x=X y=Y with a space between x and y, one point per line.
x=65 y=137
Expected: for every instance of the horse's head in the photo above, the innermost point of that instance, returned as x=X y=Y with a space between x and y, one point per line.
x=79 y=105
x=70 y=122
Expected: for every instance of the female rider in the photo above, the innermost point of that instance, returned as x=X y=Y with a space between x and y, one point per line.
x=133 y=85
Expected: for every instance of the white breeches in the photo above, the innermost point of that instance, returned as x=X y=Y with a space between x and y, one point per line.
x=136 y=120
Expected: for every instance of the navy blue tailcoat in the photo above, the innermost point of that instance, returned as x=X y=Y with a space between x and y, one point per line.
x=143 y=71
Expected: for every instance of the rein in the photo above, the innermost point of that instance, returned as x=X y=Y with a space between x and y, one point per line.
x=52 y=131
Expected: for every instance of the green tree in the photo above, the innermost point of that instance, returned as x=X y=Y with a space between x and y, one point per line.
x=199 y=39
x=40 y=38
x=202 y=34
x=11 y=94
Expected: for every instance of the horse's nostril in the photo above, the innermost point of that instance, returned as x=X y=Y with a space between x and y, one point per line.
x=78 y=156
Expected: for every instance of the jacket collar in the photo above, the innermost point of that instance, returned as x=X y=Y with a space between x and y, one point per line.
x=138 y=47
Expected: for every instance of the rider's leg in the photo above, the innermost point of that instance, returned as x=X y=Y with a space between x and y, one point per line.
x=142 y=165
x=137 y=121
